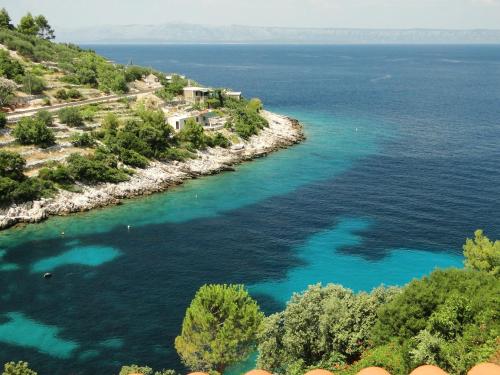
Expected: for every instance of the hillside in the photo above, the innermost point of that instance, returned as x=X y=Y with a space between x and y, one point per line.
x=73 y=121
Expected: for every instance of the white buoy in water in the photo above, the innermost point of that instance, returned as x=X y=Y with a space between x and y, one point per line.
x=356 y=129
x=128 y=227
x=47 y=275
x=62 y=233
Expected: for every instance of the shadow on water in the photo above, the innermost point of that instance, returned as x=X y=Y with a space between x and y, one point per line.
x=133 y=286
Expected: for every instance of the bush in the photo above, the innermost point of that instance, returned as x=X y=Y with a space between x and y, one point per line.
x=3 y=120
x=33 y=131
x=449 y=318
x=61 y=94
x=100 y=167
x=11 y=165
x=70 y=116
x=133 y=158
x=324 y=325
x=74 y=94
x=193 y=133
x=58 y=174
x=45 y=117
x=32 y=84
x=83 y=140
x=9 y=68
x=218 y=140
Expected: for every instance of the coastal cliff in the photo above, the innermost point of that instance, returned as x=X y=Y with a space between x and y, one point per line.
x=282 y=132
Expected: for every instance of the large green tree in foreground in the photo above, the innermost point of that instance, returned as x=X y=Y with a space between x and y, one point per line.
x=219 y=329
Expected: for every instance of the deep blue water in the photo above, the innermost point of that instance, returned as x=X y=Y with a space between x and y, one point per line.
x=401 y=164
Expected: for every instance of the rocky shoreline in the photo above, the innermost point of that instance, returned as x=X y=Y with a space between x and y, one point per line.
x=281 y=133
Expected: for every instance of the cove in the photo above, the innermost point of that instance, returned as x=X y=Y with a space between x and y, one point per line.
x=386 y=187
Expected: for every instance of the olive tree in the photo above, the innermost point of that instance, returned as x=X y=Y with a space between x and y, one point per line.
x=321 y=327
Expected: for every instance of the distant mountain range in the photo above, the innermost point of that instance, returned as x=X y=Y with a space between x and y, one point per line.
x=191 y=33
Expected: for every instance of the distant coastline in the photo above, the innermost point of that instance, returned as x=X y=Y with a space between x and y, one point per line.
x=184 y=33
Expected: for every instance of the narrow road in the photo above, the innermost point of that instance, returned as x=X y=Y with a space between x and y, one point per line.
x=16 y=116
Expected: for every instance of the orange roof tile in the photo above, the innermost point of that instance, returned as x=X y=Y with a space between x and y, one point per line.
x=428 y=370
x=485 y=369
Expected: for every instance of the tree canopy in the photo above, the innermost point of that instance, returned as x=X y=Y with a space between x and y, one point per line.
x=219 y=329
x=482 y=254
x=320 y=327
x=19 y=368
x=5 y=21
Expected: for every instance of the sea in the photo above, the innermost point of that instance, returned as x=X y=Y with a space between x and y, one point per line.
x=401 y=165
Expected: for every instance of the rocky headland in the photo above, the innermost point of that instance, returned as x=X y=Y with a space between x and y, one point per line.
x=159 y=176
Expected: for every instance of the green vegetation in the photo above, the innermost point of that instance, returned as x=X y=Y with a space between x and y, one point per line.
x=15 y=187
x=5 y=21
x=99 y=167
x=319 y=328
x=83 y=140
x=32 y=84
x=144 y=370
x=171 y=89
x=246 y=120
x=70 y=116
x=9 y=67
x=482 y=254
x=19 y=368
x=72 y=93
x=193 y=134
x=449 y=318
x=219 y=328
x=34 y=131
x=3 y=120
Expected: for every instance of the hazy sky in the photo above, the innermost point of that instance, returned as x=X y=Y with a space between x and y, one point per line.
x=454 y=14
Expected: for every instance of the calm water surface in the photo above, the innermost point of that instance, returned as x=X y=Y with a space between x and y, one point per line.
x=402 y=162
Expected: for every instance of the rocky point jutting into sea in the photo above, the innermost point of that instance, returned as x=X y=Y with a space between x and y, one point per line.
x=159 y=176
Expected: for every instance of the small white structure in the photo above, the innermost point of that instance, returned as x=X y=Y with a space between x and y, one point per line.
x=193 y=94
x=152 y=81
x=178 y=121
x=208 y=119
x=233 y=94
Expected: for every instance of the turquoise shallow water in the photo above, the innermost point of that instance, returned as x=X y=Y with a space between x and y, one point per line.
x=386 y=188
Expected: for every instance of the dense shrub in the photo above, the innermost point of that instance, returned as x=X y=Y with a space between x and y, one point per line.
x=218 y=139
x=100 y=167
x=133 y=158
x=3 y=120
x=45 y=117
x=193 y=133
x=83 y=140
x=320 y=327
x=11 y=165
x=61 y=94
x=74 y=93
x=33 y=130
x=15 y=187
x=135 y=72
x=9 y=67
x=245 y=117
x=58 y=173
x=449 y=318
x=70 y=116
x=32 y=84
